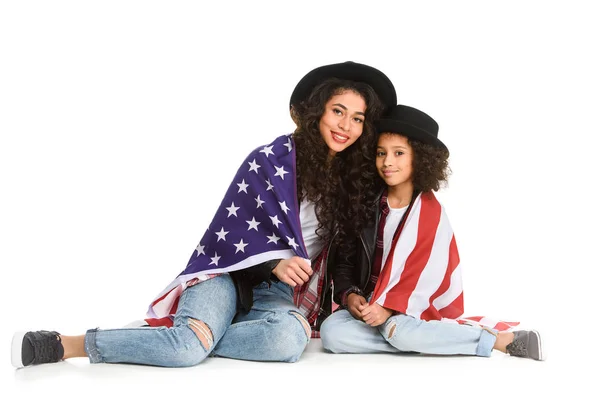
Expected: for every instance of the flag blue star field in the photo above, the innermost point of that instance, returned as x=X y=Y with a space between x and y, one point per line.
x=257 y=221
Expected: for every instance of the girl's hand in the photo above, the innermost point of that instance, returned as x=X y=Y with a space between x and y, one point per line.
x=374 y=314
x=354 y=301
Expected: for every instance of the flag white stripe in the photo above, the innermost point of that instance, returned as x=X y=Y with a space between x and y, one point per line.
x=454 y=290
x=432 y=275
x=404 y=247
x=428 y=282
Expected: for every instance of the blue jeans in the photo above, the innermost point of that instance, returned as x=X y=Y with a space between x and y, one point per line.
x=341 y=333
x=271 y=331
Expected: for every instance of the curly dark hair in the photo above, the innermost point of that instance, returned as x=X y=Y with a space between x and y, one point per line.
x=343 y=188
x=430 y=166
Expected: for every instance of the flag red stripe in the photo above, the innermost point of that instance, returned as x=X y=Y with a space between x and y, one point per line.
x=455 y=309
x=156 y=322
x=429 y=219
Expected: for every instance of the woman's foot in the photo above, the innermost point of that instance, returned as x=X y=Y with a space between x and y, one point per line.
x=32 y=348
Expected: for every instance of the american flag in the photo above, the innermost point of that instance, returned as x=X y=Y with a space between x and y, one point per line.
x=258 y=220
x=421 y=276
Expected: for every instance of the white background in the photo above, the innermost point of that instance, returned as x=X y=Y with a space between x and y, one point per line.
x=123 y=122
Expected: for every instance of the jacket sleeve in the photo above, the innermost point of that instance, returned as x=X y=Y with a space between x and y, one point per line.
x=258 y=273
x=344 y=274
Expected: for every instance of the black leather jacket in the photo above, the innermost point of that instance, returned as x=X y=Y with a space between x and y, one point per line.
x=353 y=261
x=352 y=266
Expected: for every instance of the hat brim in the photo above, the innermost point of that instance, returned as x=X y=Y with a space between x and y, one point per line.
x=410 y=131
x=352 y=71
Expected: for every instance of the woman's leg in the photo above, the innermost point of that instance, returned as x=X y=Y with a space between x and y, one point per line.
x=341 y=333
x=204 y=312
x=407 y=333
x=273 y=330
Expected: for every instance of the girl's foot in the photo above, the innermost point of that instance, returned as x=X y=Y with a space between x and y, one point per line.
x=526 y=344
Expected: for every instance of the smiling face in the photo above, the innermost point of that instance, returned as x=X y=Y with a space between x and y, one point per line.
x=342 y=122
x=394 y=160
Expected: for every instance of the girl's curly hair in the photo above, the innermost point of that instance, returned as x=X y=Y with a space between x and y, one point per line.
x=343 y=188
x=430 y=166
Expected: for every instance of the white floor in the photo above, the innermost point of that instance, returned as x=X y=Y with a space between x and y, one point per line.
x=498 y=377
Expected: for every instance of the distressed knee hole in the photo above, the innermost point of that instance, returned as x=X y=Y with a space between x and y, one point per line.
x=392 y=329
x=203 y=332
x=304 y=323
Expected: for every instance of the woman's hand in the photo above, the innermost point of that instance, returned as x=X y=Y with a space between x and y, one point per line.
x=293 y=271
x=374 y=314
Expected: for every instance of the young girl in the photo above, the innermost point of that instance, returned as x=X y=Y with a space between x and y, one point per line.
x=400 y=286
x=285 y=202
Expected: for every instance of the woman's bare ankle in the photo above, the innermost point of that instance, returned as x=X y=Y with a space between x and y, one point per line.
x=74 y=346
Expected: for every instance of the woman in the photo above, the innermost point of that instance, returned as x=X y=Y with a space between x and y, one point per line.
x=285 y=202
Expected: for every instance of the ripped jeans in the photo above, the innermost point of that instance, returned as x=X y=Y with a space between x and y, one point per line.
x=341 y=333
x=273 y=330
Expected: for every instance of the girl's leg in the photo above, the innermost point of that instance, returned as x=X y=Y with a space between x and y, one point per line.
x=407 y=333
x=273 y=330
x=341 y=333
x=503 y=339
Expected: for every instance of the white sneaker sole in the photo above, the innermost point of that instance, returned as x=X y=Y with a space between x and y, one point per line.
x=542 y=352
x=17 y=347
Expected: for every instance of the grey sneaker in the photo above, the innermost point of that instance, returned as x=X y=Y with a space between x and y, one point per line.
x=32 y=348
x=526 y=344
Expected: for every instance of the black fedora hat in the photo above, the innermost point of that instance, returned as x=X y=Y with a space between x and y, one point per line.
x=412 y=123
x=349 y=71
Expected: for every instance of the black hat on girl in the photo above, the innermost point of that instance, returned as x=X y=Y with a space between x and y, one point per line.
x=412 y=123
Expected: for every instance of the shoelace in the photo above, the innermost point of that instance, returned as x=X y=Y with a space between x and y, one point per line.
x=45 y=348
x=517 y=348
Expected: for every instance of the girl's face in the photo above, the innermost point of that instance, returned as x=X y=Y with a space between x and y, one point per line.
x=342 y=122
x=394 y=159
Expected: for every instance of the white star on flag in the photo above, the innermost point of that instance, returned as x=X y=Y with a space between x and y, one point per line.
x=292 y=242
x=259 y=202
x=243 y=186
x=254 y=166
x=215 y=259
x=275 y=220
x=268 y=150
x=253 y=224
x=240 y=246
x=221 y=234
x=250 y=224
x=284 y=207
x=232 y=210
x=288 y=145
x=280 y=172
x=273 y=239
x=270 y=187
